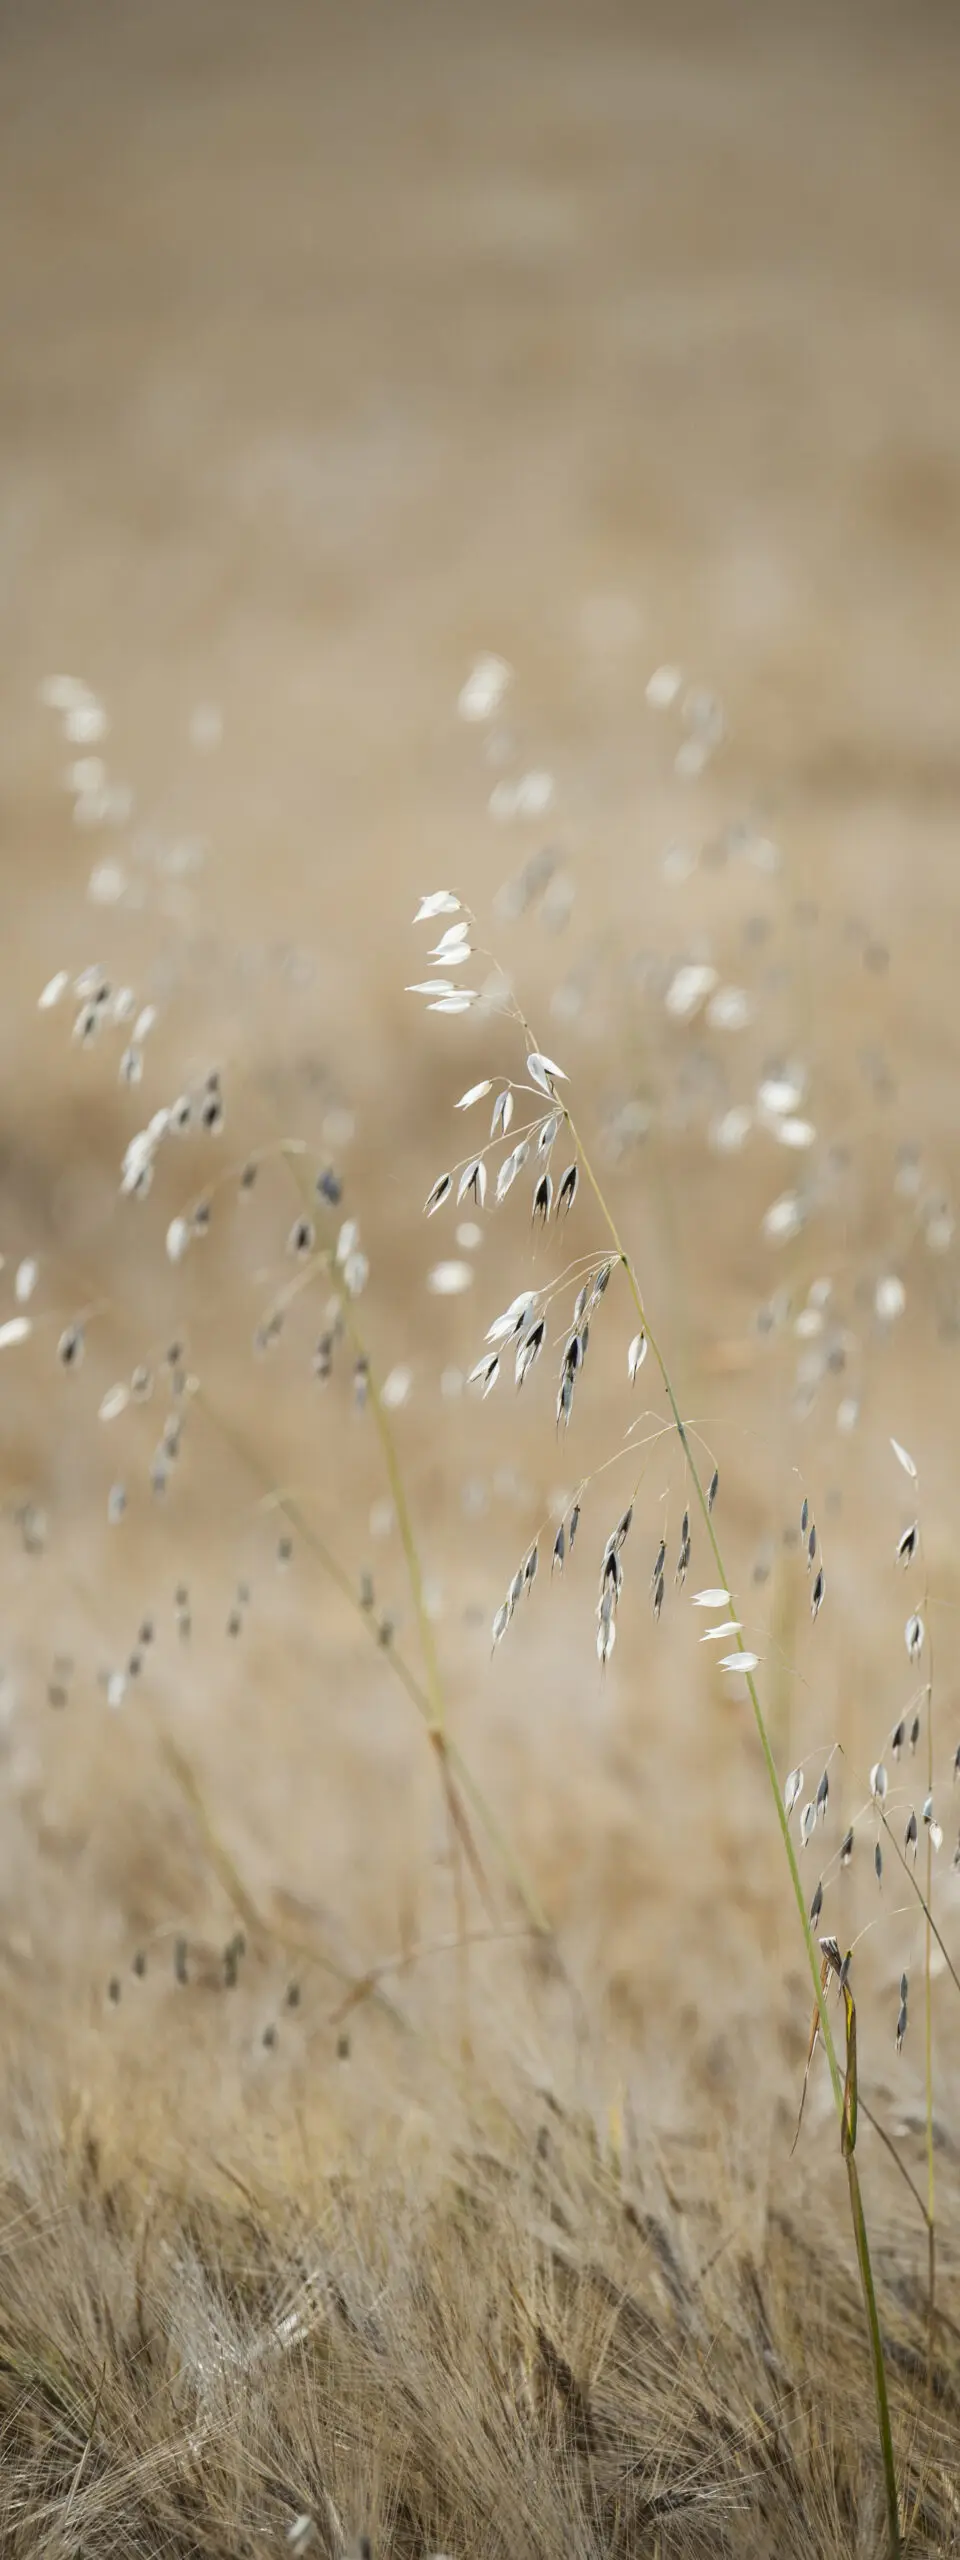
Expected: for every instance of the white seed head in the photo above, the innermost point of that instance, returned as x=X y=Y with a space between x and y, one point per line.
x=437 y=902
x=711 y=1599
x=606 y=1639
x=730 y=1009
x=913 y=1636
x=473 y=1178
x=513 y=1317
x=511 y=1166
x=544 y=1071
x=356 y=1273
x=878 y=1782
x=783 y=1219
x=792 y=1790
x=688 y=990
x=16 y=1329
x=904 y=1459
x=177 y=1239
x=778 y=1096
x=731 y=1132
x=475 y=1093
x=742 y=1662
x=440 y=1192
x=452 y=941
x=483 y=693
x=889 y=1298
x=636 y=1355
x=52 y=992
x=485 y=1374
x=664 y=687
x=396 y=1387
x=113 y=1402
x=795 y=1133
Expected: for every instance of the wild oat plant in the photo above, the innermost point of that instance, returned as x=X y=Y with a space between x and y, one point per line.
x=543 y=2329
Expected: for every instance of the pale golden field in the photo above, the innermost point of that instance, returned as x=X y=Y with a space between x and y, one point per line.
x=341 y=348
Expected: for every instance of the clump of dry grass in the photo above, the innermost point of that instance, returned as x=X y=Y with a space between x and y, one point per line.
x=507 y=2338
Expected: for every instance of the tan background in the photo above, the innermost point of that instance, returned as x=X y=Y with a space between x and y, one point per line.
x=338 y=346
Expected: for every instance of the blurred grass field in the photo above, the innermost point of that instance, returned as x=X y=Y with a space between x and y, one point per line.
x=342 y=347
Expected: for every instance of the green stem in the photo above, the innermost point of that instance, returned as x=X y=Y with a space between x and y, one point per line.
x=856 y=2203
x=876 y=2358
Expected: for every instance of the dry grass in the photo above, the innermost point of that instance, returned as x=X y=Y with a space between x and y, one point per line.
x=480 y=2327
x=343 y=2204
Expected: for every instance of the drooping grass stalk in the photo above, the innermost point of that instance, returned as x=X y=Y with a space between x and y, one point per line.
x=292 y=1152
x=917 y=1889
x=291 y=1510
x=819 y=1988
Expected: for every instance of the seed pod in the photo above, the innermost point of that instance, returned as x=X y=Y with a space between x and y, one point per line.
x=574 y=1525
x=910 y=1834
x=606 y=1639
x=907 y=1544
x=528 y=1350
x=816 y=1905
x=559 y=1548
x=896 y=1740
x=473 y=1178
x=846 y=1848
x=791 y=1791
x=823 y=1791
x=816 y=1595
x=636 y=1355
x=567 y=1190
x=511 y=1166
x=542 y=1199
x=713 y=1488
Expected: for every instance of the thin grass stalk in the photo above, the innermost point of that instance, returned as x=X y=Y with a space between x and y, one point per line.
x=291 y=1511
x=856 y=2202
